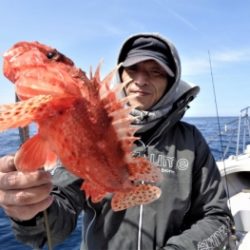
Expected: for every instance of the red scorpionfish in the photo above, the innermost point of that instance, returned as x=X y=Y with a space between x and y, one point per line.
x=81 y=121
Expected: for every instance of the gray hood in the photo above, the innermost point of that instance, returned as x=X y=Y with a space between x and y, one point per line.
x=147 y=119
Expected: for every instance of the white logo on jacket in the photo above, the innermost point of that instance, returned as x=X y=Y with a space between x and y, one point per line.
x=169 y=164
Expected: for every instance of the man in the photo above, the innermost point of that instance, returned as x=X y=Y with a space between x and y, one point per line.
x=192 y=211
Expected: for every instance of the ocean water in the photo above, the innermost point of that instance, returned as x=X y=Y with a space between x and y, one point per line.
x=213 y=131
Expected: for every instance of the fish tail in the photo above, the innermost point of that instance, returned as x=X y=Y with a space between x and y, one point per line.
x=140 y=194
x=144 y=174
x=140 y=169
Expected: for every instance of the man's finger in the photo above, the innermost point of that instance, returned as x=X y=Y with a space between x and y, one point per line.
x=27 y=212
x=19 y=180
x=26 y=196
x=7 y=164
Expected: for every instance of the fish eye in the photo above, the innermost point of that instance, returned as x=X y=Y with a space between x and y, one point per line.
x=51 y=54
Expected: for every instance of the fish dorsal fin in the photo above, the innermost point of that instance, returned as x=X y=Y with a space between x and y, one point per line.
x=34 y=154
x=105 y=84
x=118 y=110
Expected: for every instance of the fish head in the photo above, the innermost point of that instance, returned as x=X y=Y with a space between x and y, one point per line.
x=38 y=69
x=30 y=54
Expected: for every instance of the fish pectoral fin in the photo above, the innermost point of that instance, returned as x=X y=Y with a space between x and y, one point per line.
x=94 y=191
x=34 y=154
x=140 y=194
x=11 y=116
x=22 y=113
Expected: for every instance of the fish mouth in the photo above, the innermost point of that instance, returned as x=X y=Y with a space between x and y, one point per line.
x=12 y=54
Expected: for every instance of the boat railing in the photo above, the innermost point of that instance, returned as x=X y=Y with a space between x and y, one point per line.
x=239 y=128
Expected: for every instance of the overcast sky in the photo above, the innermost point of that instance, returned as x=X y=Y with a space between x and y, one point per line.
x=88 y=31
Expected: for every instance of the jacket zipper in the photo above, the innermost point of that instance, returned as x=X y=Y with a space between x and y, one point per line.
x=140 y=228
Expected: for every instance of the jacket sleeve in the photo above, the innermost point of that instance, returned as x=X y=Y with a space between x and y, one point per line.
x=208 y=224
x=67 y=205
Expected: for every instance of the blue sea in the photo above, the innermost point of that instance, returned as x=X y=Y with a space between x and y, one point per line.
x=215 y=132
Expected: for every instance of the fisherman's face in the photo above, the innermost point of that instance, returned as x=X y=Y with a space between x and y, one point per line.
x=149 y=82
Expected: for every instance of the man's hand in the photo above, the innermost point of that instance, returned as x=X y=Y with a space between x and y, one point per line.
x=23 y=195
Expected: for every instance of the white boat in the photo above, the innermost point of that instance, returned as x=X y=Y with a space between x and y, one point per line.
x=235 y=172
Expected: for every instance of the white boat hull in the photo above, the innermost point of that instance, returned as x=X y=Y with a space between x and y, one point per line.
x=235 y=172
